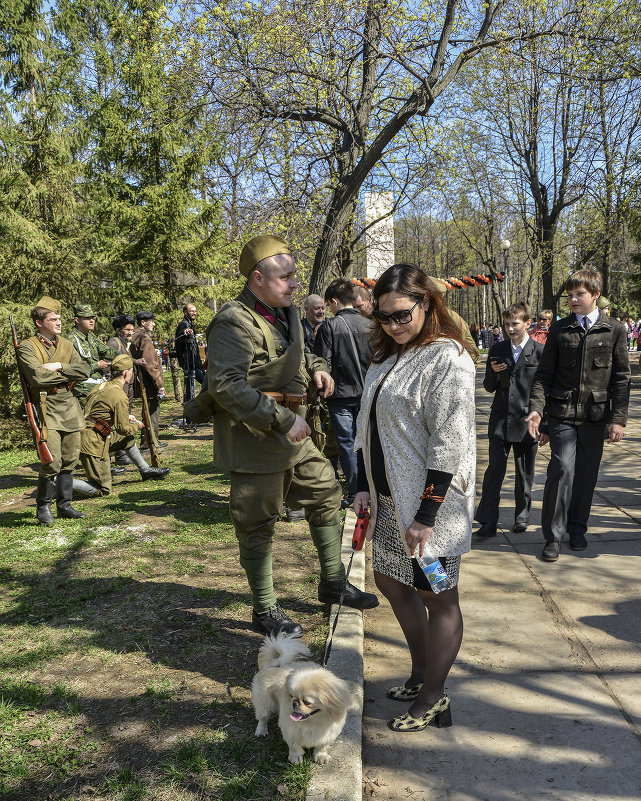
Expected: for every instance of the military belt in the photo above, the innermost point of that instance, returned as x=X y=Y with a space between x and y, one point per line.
x=290 y=400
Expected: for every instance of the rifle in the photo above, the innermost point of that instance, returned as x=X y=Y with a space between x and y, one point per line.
x=150 y=434
x=44 y=454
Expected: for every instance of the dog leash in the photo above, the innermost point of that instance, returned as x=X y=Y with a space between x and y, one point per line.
x=358 y=540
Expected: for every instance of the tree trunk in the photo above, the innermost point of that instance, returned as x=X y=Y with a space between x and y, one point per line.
x=175 y=377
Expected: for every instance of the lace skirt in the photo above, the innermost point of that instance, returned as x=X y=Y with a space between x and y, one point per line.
x=389 y=556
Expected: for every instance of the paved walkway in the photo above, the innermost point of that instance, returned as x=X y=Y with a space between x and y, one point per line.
x=546 y=690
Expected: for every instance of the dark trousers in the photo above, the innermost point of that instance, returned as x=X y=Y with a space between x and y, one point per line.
x=524 y=455
x=567 y=497
x=191 y=376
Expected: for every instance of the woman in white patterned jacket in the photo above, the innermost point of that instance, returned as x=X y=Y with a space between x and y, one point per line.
x=416 y=446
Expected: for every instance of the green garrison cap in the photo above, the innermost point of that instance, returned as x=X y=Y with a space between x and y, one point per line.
x=122 y=362
x=602 y=302
x=46 y=302
x=83 y=310
x=259 y=248
x=440 y=285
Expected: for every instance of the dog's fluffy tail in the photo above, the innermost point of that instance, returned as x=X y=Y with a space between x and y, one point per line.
x=280 y=650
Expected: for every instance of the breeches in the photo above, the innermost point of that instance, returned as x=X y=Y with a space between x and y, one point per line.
x=256 y=499
x=65 y=448
x=98 y=470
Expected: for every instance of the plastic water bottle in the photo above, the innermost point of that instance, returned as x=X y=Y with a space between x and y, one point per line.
x=434 y=570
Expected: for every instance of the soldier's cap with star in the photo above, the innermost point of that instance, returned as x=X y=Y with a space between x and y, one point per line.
x=83 y=310
x=46 y=302
x=122 y=361
x=259 y=248
x=122 y=320
x=145 y=315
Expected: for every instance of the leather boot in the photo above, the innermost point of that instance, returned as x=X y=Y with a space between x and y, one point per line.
x=64 y=491
x=329 y=592
x=146 y=471
x=44 y=496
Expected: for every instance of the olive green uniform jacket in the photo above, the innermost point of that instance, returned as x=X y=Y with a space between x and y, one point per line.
x=91 y=350
x=109 y=403
x=63 y=412
x=250 y=427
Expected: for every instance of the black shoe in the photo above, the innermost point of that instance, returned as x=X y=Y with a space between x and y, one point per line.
x=551 y=551
x=329 y=592
x=274 y=622
x=123 y=460
x=486 y=530
x=293 y=515
x=518 y=528
x=117 y=471
x=578 y=542
x=155 y=473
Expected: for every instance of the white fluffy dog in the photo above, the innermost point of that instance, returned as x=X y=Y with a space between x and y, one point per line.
x=311 y=701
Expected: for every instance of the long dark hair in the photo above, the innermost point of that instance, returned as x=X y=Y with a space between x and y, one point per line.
x=410 y=280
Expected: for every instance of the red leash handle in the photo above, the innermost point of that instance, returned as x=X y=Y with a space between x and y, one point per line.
x=358 y=538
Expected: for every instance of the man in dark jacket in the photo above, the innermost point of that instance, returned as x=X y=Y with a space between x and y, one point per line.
x=510 y=370
x=343 y=341
x=187 y=351
x=583 y=382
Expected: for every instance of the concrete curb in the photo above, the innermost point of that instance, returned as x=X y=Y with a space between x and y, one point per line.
x=342 y=778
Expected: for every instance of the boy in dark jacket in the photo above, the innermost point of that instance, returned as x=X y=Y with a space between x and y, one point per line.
x=583 y=381
x=511 y=366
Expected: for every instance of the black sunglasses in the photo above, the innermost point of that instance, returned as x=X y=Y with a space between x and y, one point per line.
x=400 y=317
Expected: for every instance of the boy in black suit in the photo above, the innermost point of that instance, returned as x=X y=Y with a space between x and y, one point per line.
x=583 y=383
x=510 y=370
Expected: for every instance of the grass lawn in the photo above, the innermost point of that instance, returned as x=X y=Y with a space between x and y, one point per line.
x=126 y=655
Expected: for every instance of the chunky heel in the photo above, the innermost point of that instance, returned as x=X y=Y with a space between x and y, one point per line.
x=440 y=715
x=443 y=719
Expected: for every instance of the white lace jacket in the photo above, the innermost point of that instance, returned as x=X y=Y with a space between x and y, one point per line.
x=426 y=419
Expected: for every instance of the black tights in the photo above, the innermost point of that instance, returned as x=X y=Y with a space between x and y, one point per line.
x=433 y=628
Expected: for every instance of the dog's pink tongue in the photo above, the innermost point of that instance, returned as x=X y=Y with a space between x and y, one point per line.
x=296 y=716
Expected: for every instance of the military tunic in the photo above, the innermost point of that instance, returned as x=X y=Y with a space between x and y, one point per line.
x=63 y=417
x=91 y=350
x=250 y=428
x=107 y=402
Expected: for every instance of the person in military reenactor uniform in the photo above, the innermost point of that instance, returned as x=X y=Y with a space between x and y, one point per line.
x=142 y=347
x=257 y=377
x=51 y=366
x=109 y=428
x=91 y=349
x=123 y=325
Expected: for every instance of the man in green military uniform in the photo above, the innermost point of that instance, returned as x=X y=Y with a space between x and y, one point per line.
x=93 y=351
x=256 y=348
x=50 y=367
x=110 y=427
